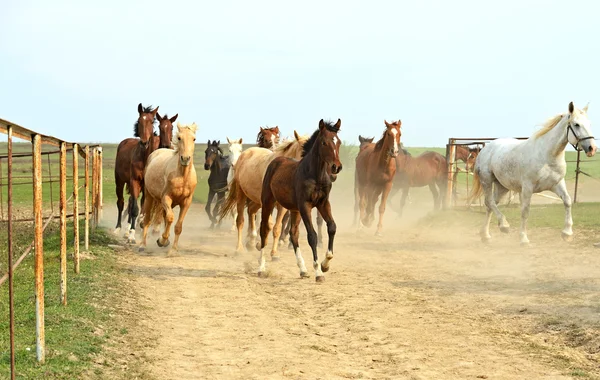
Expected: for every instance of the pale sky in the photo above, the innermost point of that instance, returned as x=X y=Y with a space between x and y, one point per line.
x=78 y=69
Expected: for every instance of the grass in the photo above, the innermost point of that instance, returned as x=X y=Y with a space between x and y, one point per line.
x=76 y=333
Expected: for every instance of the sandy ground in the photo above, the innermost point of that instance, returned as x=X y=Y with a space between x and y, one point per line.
x=423 y=302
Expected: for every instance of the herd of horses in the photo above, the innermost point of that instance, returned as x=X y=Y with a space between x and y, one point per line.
x=295 y=176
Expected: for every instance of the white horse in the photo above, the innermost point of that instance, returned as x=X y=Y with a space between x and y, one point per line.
x=531 y=166
x=235 y=149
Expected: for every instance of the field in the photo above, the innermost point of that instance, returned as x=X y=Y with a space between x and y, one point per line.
x=426 y=301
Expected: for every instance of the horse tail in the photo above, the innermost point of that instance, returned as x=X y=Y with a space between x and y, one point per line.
x=157 y=213
x=231 y=201
x=477 y=188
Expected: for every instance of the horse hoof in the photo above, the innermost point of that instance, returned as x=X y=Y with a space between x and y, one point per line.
x=262 y=274
x=524 y=244
x=117 y=231
x=249 y=244
x=258 y=246
x=275 y=258
x=304 y=275
x=166 y=244
x=324 y=269
x=141 y=249
x=485 y=239
x=504 y=229
x=290 y=245
x=566 y=237
x=320 y=279
x=378 y=234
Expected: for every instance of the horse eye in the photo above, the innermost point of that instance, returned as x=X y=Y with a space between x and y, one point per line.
x=194 y=139
x=179 y=138
x=577 y=125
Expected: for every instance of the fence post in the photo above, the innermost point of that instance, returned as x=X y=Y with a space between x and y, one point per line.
x=11 y=300
x=76 y=207
x=63 y=222
x=450 y=154
x=100 y=199
x=39 y=248
x=94 y=189
x=577 y=176
x=87 y=198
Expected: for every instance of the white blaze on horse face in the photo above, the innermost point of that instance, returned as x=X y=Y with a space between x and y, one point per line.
x=144 y=117
x=394 y=133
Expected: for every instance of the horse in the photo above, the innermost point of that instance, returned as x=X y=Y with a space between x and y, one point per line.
x=300 y=186
x=219 y=166
x=467 y=155
x=363 y=142
x=170 y=180
x=131 y=157
x=246 y=187
x=268 y=137
x=531 y=166
x=235 y=149
x=427 y=169
x=375 y=170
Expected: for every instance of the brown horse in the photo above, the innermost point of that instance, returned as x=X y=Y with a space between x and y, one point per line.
x=268 y=138
x=427 y=169
x=467 y=155
x=363 y=142
x=169 y=181
x=299 y=186
x=375 y=170
x=144 y=131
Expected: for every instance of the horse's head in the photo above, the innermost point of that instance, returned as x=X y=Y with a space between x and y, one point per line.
x=329 y=144
x=235 y=149
x=144 y=126
x=268 y=137
x=185 y=143
x=471 y=157
x=579 y=131
x=391 y=137
x=212 y=153
x=165 y=130
x=364 y=141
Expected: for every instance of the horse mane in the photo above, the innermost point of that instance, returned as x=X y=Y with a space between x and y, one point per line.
x=287 y=145
x=175 y=142
x=379 y=144
x=147 y=109
x=260 y=137
x=549 y=125
x=311 y=141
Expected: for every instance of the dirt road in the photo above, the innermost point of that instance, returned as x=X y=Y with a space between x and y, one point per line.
x=426 y=301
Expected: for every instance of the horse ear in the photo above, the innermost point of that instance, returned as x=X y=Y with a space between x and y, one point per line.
x=174 y=118
x=240 y=141
x=140 y=108
x=296 y=136
x=178 y=126
x=158 y=116
x=155 y=111
x=218 y=142
x=571 y=107
x=386 y=123
x=338 y=125
x=585 y=109
x=321 y=124
x=261 y=129
x=399 y=123
x=276 y=129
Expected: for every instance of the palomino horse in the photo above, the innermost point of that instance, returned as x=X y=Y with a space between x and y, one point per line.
x=218 y=164
x=299 y=186
x=268 y=138
x=131 y=158
x=169 y=181
x=375 y=170
x=235 y=149
x=427 y=169
x=531 y=166
x=246 y=186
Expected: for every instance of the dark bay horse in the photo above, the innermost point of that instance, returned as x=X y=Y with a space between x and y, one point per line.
x=219 y=165
x=300 y=186
x=427 y=169
x=375 y=171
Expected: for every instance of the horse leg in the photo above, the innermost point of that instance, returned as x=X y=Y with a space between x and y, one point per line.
x=211 y=195
x=183 y=209
x=356 y=202
x=217 y=209
x=393 y=192
x=128 y=211
x=266 y=225
x=252 y=211
x=239 y=221
x=403 y=200
x=147 y=211
x=499 y=193
x=135 y=192
x=362 y=206
x=305 y=213
x=561 y=190
x=382 y=204
x=525 y=197
x=281 y=212
x=294 y=232
x=325 y=210
x=285 y=223
x=163 y=241
x=436 y=196
x=120 y=204
x=319 y=230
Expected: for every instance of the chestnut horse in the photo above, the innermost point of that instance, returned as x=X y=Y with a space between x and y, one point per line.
x=218 y=164
x=427 y=169
x=467 y=155
x=131 y=157
x=268 y=138
x=363 y=142
x=170 y=180
x=375 y=171
x=300 y=186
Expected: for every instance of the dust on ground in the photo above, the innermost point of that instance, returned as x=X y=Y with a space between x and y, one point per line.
x=426 y=301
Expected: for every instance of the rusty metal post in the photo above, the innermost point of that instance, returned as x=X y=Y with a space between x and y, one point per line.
x=76 y=207
x=1 y=192
x=94 y=188
x=11 y=300
x=87 y=198
x=577 y=171
x=51 y=183
x=450 y=157
x=39 y=248
x=100 y=204
x=63 y=222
